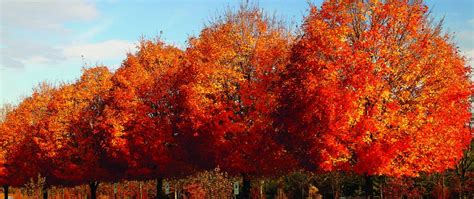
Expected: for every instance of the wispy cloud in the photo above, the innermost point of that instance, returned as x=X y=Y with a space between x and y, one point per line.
x=99 y=52
x=31 y=33
x=465 y=40
x=17 y=50
x=92 y=32
x=38 y=15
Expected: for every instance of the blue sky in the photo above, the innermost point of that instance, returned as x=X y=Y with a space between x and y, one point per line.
x=51 y=40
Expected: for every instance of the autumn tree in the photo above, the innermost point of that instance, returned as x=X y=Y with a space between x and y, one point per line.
x=237 y=60
x=22 y=155
x=373 y=87
x=80 y=146
x=376 y=87
x=146 y=110
x=4 y=111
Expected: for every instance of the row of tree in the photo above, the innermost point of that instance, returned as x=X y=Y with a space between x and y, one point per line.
x=372 y=87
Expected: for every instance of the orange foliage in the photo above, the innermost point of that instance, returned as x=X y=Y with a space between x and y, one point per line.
x=237 y=61
x=77 y=143
x=377 y=88
x=369 y=86
x=22 y=154
x=144 y=112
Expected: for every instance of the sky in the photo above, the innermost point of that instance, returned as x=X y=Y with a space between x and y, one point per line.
x=52 y=40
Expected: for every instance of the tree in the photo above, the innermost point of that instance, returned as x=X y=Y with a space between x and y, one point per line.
x=377 y=88
x=146 y=111
x=237 y=61
x=4 y=111
x=82 y=147
x=23 y=156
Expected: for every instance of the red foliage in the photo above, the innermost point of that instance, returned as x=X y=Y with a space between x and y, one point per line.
x=144 y=112
x=23 y=154
x=375 y=88
x=237 y=61
x=369 y=86
x=78 y=145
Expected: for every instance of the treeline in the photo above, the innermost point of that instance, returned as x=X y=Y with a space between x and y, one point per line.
x=298 y=184
x=374 y=88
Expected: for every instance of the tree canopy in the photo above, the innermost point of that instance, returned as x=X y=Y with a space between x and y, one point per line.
x=372 y=87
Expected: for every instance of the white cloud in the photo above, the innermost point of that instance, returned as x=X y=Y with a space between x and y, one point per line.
x=37 y=60
x=92 y=32
x=17 y=50
x=46 y=14
x=99 y=52
x=32 y=30
x=35 y=34
x=465 y=40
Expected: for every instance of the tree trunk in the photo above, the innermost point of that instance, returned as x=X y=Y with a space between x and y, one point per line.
x=140 y=186
x=461 y=191
x=245 y=187
x=45 y=193
x=381 y=190
x=369 y=187
x=5 y=191
x=335 y=184
x=442 y=185
x=115 y=190
x=93 y=186
x=159 y=189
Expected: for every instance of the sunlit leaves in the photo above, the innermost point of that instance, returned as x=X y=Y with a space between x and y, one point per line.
x=376 y=86
x=238 y=60
x=371 y=86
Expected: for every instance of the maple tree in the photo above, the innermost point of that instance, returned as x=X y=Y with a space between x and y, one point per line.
x=22 y=154
x=371 y=87
x=237 y=61
x=146 y=109
x=80 y=145
x=4 y=111
x=376 y=87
